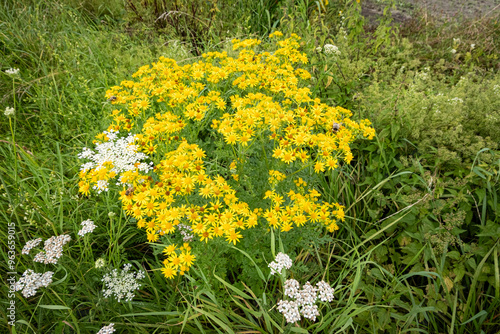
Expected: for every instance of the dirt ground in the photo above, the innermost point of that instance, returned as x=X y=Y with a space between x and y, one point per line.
x=439 y=9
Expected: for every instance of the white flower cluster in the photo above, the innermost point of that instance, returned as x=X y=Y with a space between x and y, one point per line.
x=186 y=231
x=52 y=249
x=88 y=227
x=100 y=263
x=325 y=291
x=31 y=281
x=12 y=71
x=331 y=50
x=121 y=153
x=9 y=111
x=305 y=299
x=107 y=329
x=122 y=284
x=455 y=101
x=290 y=309
x=496 y=89
x=30 y=245
x=281 y=261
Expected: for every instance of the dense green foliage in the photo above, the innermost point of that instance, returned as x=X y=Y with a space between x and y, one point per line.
x=419 y=248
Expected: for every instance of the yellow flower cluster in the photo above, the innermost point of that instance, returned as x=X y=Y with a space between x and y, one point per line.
x=304 y=208
x=275 y=177
x=254 y=97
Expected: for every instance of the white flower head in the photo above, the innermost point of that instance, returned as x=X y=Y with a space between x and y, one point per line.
x=9 y=111
x=307 y=295
x=291 y=288
x=290 y=309
x=12 y=71
x=186 y=232
x=52 y=249
x=331 y=50
x=88 y=227
x=304 y=298
x=119 y=153
x=325 y=291
x=496 y=89
x=310 y=311
x=107 y=329
x=122 y=284
x=30 y=245
x=281 y=261
x=100 y=263
x=30 y=282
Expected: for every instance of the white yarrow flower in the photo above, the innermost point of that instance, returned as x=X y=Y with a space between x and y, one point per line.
x=304 y=298
x=310 y=311
x=281 y=261
x=30 y=282
x=88 y=227
x=289 y=309
x=12 y=71
x=107 y=329
x=325 y=291
x=291 y=288
x=52 y=249
x=9 y=111
x=30 y=245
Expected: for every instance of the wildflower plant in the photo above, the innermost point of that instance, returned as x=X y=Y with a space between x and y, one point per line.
x=122 y=284
x=301 y=301
x=188 y=144
x=88 y=226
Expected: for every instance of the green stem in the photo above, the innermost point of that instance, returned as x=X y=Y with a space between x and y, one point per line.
x=306 y=166
x=264 y=150
x=13 y=132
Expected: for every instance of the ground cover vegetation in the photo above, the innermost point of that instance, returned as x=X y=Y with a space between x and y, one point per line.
x=267 y=167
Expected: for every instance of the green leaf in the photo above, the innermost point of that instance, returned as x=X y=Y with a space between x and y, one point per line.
x=55 y=307
x=394 y=130
x=481 y=313
x=273 y=243
x=259 y=272
x=453 y=255
x=235 y=289
x=459 y=272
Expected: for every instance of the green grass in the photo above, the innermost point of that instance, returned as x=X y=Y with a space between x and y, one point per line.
x=418 y=251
